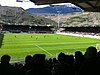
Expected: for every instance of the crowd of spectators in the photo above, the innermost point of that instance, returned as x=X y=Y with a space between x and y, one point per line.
x=26 y=29
x=94 y=31
x=76 y=64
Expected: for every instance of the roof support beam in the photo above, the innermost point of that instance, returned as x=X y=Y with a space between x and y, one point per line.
x=90 y=4
x=78 y=5
x=93 y=4
x=97 y=9
x=42 y=2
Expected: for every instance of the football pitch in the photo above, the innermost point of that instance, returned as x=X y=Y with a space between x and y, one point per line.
x=18 y=46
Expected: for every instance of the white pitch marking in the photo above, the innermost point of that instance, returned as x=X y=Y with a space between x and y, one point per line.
x=43 y=49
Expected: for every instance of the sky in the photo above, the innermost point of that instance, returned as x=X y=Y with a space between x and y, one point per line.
x=25 y=5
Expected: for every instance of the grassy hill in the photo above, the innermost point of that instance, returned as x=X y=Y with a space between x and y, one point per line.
x=18 y=16
x=79 y=19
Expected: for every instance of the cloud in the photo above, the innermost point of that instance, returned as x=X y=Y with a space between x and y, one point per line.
x=25 y=5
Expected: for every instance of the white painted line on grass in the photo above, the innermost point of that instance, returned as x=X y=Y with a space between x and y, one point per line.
x=43 y=49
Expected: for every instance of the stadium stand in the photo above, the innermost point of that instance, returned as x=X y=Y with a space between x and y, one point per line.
x=26 y=29
x=46 y=29
x=80 y=64
x=82 y=29
x=64 y=64
x=1 y=39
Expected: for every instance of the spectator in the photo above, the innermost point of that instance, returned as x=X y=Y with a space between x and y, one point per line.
x=27 y=65
x=38 y=66
x=91 y=64
x=5 y=67
x=79 y=58
x=61 y=68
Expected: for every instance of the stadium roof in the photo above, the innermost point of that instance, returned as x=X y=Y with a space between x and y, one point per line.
x=86 y=5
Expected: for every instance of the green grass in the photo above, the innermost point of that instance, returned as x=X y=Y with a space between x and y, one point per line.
x=51 y=45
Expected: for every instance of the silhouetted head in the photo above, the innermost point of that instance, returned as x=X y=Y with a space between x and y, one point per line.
x=61 y=57
x=91 y=52
x=38 y=59
x=5 y=59
x=78 y=56
x=54 y=60
x=28 y=59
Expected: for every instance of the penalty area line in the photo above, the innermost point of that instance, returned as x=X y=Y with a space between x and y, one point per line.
x=43 y=49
